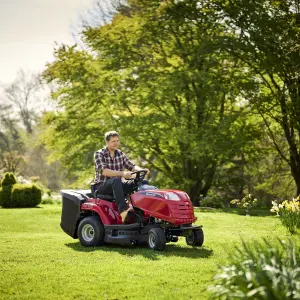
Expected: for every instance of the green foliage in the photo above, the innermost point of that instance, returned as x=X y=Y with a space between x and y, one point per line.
x=160 y=81
x=248 y=202
x=289 y=212
x=268 y=44
x=291 y=220
x=8 y=181
x=48 y=200
x=261 y=271
x=212 y=201
x=25 y=195
x=48 y=192
x=6 y=196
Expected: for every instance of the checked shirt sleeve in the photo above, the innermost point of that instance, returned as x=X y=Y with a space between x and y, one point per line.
x=99 y=161
x=128 y=164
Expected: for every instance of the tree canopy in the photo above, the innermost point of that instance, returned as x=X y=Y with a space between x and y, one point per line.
x=193 y=87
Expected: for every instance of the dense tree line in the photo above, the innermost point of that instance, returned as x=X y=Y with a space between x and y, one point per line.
x=206 y=93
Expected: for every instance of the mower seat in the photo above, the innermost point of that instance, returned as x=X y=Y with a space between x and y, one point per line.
x=105 y=197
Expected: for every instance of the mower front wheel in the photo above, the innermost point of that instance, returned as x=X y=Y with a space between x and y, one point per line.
x=196 y=238
x=156 y=239
x=91 y=231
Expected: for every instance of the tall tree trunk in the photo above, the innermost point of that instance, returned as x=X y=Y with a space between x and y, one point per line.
x=194 y=192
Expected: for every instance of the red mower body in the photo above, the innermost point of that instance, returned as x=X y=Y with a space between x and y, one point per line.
x=158 y=204
x=158 y=217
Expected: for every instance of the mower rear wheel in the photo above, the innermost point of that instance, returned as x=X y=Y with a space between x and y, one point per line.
x=196 y=238
x=156 y=239
x=91 y=231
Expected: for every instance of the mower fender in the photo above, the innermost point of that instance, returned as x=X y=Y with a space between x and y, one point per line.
x=99 y=209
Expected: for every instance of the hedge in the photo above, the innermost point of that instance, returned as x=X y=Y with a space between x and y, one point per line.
x=5 y=193
x=25 y=195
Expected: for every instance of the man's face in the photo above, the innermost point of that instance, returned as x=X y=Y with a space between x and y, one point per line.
x=113 y=143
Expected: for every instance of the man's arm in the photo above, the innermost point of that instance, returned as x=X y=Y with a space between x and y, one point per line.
x=102 y=167
x=128 y=164
x=113 y=173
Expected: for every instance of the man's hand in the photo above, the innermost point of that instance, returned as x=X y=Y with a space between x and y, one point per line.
x=136 y=168
x=127 y=175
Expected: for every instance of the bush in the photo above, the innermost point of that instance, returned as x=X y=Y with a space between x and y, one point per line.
x=47 y=191
x=264 y=271
x=8 y=179
x=211 y=201
x=48 y=200
x=26 y=195
x=248 y=202
x=289 y=212
x=7 y=183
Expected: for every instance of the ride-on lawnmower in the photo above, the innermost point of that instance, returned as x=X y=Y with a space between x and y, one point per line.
x=158 y=217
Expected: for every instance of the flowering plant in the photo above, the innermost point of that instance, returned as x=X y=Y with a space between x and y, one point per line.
x=248 y=202
x=289 y=212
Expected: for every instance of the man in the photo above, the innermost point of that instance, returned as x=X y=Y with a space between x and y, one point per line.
x=109 y=169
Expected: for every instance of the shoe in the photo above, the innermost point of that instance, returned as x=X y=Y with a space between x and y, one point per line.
x=124 y=214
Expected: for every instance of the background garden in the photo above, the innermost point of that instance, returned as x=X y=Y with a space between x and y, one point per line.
x=206 y=94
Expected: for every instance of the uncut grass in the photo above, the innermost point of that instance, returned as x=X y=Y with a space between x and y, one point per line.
x=39 y=261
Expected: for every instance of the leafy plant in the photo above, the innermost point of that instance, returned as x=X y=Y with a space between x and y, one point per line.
x=9 y=179
x=7 y=183
x=264 y=271
x=26 y=195
x=248 y=202
x=212 y=201
x=289 y=212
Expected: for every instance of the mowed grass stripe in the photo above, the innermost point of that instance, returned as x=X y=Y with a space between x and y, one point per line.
x=39 y=261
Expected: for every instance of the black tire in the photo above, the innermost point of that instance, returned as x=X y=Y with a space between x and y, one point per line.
x=156 y=239
x=196 y=238
x=91 y=231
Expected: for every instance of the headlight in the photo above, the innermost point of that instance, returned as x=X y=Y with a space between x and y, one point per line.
x=172 y=196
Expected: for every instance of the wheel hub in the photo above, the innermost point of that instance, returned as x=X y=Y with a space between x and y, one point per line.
x=88 y=232
x=152 y=240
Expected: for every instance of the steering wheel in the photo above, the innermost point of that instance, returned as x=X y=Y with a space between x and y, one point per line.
x=140 y=175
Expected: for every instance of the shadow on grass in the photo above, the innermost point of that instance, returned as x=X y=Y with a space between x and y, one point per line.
x=263 y=212
x=142 y=249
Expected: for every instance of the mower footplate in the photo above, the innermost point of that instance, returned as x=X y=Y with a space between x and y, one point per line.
x=123 y=227
x=191 y=227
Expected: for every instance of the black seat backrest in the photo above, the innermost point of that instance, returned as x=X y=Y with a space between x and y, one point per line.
x=105 y=197
x=98 y=196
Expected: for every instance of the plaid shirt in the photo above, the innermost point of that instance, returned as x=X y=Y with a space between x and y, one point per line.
x=103 y=160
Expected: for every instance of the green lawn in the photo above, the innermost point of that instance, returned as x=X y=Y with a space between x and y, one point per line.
x=39 y=261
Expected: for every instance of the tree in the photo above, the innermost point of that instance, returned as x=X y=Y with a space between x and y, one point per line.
x=268 y=43
x=156 y=76
x=23 y=93
x=11 y=143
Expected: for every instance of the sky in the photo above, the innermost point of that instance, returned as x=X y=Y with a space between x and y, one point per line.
x=29 y=30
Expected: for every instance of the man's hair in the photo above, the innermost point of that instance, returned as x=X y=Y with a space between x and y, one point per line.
x=110 y=134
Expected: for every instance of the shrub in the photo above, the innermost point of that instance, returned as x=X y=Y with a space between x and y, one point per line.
x=248 y=202
x=8 y=179
x=289 y=212
x=48 y=200
x=47 y=191
x=26 y=195
x=7 y=183
x=211 y=201
x=263 y=271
